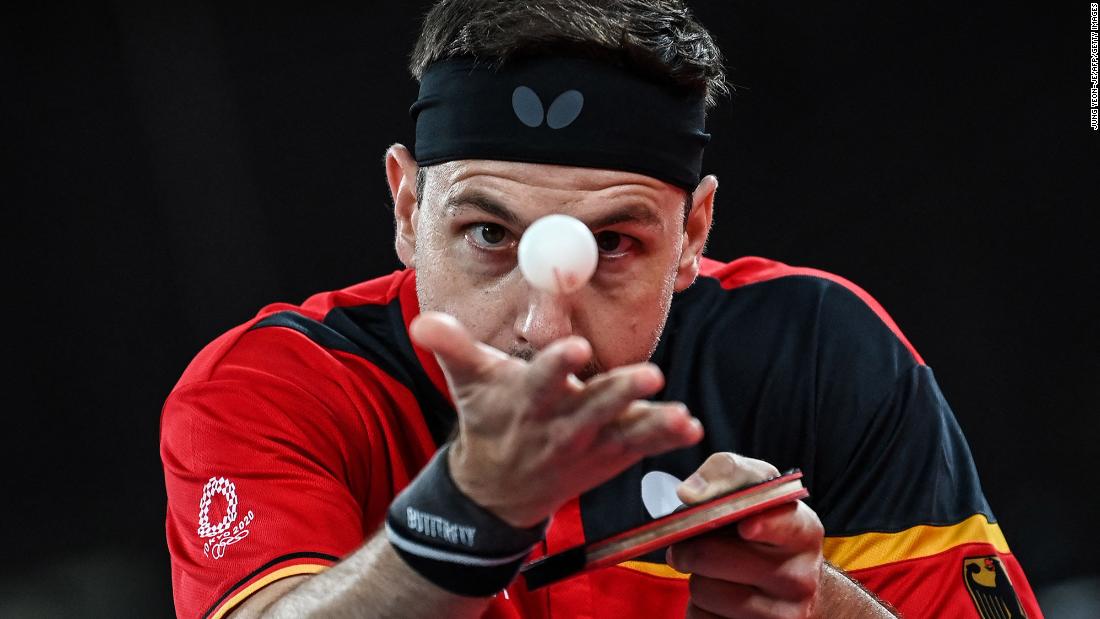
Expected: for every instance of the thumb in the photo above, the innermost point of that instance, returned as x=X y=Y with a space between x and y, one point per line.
x=723 y=472
x=462 y=358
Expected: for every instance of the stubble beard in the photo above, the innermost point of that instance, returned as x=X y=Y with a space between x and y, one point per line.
x=594 y=366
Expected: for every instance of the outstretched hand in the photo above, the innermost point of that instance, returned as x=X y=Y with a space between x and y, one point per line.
x=531 y=435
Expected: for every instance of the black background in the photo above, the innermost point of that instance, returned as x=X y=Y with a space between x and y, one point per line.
x=168 y=171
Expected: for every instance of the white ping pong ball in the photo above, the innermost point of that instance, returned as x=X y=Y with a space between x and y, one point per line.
x=558 y=254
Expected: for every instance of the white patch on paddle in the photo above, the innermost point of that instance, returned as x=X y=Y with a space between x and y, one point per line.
x=659 y=493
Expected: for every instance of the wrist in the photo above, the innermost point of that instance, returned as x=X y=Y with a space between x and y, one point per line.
x=841 y=595
x=472 y=484
x=450 y=539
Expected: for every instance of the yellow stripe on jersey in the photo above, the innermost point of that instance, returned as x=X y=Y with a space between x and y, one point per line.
x=653 y=569
x=293 y=570
x=872 y=549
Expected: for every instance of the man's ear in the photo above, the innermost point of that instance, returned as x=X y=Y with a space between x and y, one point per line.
x=696 y=229
x=401 y=171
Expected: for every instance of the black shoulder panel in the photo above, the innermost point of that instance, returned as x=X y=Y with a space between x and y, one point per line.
x=377 y=334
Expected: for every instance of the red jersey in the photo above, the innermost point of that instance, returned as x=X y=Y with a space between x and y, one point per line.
x=287 y=438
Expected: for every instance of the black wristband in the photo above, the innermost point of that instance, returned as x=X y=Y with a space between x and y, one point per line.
x=451 y=540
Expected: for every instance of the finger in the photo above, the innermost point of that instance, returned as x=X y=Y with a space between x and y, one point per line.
x=607 y=395
x=791 y=526
x=648 y=428
x=725 y=557
x=719 y=554
x=555 y=365
x=727 y=599
x=462 y=358
x=723 y=472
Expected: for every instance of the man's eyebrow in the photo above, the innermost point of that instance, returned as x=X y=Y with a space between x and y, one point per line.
x=632 y=213
x=483 y=203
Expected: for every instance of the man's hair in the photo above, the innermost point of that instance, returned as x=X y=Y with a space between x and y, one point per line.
x=658 y=39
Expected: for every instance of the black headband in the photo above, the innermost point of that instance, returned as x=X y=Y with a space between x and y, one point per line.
x=561 y=110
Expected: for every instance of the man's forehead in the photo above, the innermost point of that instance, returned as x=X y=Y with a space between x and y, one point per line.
x=569 y=183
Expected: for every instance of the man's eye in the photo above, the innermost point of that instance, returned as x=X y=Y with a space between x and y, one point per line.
x=613 y=242
x=487 y=236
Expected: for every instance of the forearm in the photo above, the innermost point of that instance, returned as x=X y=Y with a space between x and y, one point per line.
x=375 y=581
x=841 y=596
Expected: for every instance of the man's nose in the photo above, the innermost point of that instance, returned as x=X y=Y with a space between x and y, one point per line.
x=545 y=318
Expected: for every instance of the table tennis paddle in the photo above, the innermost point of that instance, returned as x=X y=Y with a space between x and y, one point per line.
x=687 y=521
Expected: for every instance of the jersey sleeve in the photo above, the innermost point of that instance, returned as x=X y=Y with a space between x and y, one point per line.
x=897 y=489
x=261 y=482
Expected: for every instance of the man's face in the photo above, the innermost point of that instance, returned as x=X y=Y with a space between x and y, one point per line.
x=464 y=235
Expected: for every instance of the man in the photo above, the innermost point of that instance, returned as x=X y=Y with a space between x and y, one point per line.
x=483 y=421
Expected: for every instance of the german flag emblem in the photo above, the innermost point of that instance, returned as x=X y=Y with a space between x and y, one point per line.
x=991 y=589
